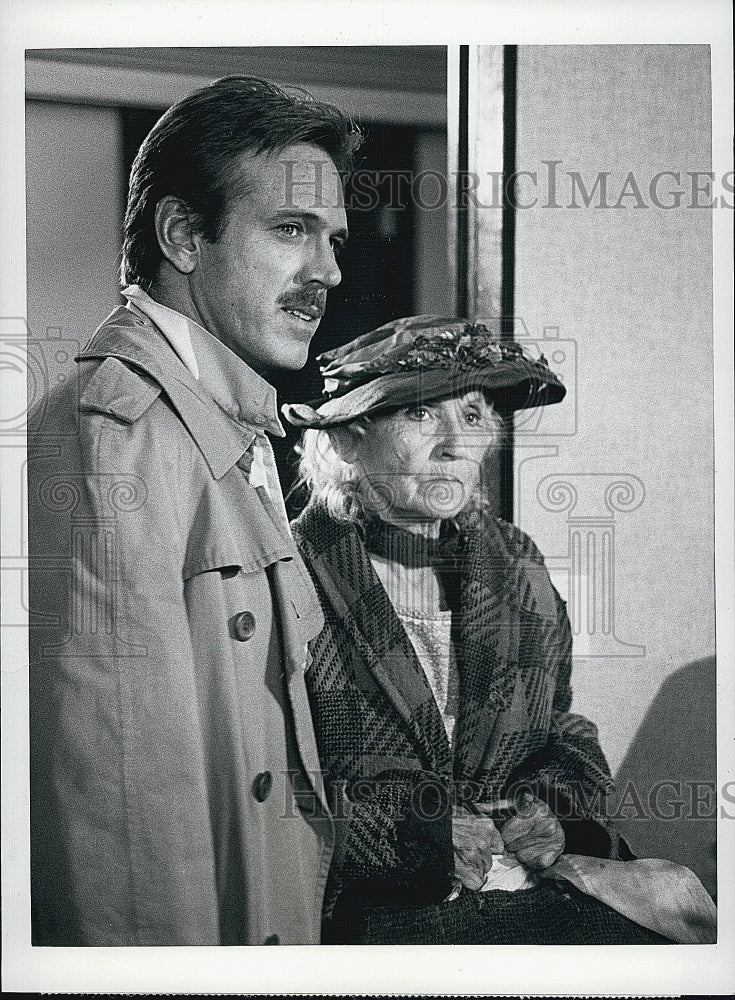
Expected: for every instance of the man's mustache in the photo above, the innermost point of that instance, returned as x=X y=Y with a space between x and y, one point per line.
x=312 y=300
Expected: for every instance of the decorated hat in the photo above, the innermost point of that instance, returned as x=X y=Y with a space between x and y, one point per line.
x=419 y=359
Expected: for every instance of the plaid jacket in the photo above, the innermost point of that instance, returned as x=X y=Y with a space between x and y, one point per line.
x=380 y=736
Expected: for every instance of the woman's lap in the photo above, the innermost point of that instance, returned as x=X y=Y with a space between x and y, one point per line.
x=546 y=914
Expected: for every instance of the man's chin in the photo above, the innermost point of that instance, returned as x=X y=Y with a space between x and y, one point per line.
x=294 y=361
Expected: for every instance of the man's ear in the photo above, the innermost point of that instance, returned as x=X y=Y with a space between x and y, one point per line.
x=176 y=238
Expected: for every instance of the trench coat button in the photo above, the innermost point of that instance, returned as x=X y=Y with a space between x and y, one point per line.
x=243 y=626
x=272 y=939
x=262 y=784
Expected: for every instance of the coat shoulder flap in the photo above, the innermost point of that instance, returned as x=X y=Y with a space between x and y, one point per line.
x=119 y=391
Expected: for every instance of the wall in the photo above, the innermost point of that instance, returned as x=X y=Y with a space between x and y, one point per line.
x=629 y=289
x=74 y=191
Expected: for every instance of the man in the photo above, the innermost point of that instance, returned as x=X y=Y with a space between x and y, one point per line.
x=175 y=791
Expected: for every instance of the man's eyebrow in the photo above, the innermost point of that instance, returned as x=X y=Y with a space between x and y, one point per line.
x=307 y=216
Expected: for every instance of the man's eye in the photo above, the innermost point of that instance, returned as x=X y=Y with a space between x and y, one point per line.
x=473 y=418
x=290 y=229
x=337 y=247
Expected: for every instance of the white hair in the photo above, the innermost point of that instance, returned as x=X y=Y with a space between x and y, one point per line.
x=340 y=487
x=329 y=479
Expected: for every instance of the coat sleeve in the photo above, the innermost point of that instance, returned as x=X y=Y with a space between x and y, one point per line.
x=120 y=832
x=570 y=772
x=396 y=823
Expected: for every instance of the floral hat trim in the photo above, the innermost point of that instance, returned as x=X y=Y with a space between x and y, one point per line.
x=440 y=344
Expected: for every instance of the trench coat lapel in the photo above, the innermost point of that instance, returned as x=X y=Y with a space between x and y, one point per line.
x=126 y=335
x=347 y=578
x=488 y=644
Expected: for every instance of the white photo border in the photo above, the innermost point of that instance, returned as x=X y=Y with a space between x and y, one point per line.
x=399 y=969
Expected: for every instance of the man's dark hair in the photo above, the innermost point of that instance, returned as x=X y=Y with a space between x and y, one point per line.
x=189 y=154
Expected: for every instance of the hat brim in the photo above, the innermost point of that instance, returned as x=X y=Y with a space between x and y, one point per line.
x=516 y=384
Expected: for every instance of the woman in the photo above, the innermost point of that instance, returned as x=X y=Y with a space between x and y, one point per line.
x=440 y=685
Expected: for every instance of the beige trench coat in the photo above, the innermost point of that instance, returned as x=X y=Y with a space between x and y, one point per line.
x=175 y=789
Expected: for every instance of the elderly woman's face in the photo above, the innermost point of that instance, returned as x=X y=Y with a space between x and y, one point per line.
x=422 y=464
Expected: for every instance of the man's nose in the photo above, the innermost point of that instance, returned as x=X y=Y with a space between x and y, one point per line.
x=322 y=266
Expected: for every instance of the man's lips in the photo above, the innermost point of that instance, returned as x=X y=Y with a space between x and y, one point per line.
x=307 y=315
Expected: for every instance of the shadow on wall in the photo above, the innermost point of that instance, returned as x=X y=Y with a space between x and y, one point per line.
x=666 y=785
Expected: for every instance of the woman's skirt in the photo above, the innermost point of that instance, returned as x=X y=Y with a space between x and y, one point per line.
x=545 y=914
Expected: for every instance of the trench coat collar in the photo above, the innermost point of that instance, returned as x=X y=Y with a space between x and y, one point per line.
x=175 y=327
x=223 y=437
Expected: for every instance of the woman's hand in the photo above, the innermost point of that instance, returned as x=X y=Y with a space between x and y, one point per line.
x=475 y=839
x=534 y=835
